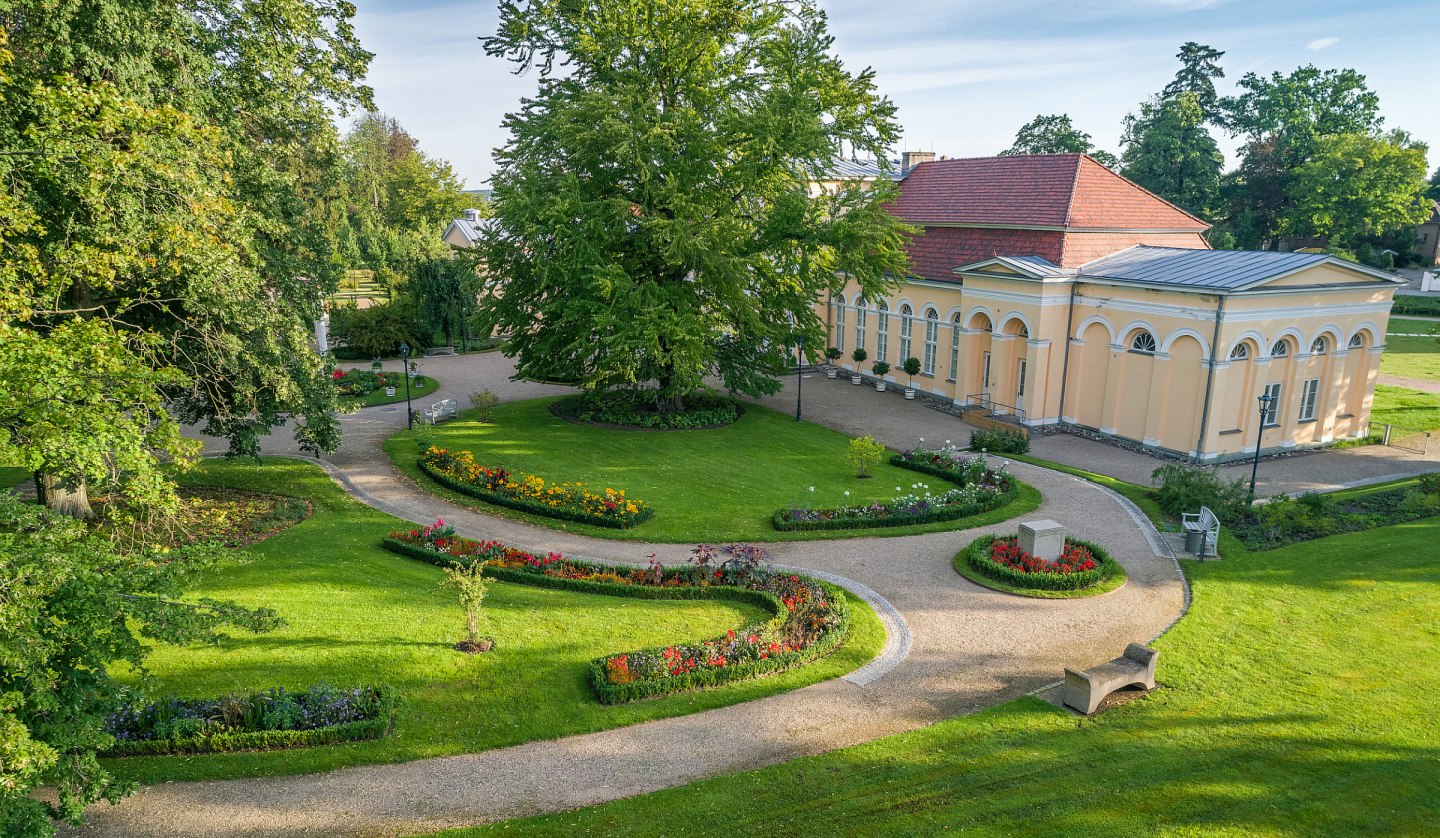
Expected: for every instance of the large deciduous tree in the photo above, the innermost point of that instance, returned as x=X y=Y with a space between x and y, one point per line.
x=1358 y=185
x=1169 y=151
x=1055 y=134
x=654 y=224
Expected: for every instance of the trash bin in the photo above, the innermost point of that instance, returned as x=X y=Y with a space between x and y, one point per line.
x=1194 y=541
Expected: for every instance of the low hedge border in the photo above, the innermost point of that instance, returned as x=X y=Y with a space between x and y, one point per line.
x=609 y=693
x=977 y=557
x=953 y=513
x=575 y=410
x=266 y=740
x=522 y=505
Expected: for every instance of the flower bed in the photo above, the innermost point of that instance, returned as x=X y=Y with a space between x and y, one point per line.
x=981 y=488
x=354 y=382
x=1081 y=565
x=810 y=619
x=275 y=718
x=530 y=493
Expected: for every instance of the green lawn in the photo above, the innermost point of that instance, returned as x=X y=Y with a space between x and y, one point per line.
x=427 y=385
x=722 y=484
x=11 y=476
x=1406 y=326
x=1298 y=699
x=1404 y=408
x=1412 y=357
x=359 y=614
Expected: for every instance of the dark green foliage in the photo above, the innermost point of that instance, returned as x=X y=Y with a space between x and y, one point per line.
x=1183 y=488
x=1283 y=520
x=999 y=441
x=639 y=410
x=1416 y=305
x=1199 y=67
x=380 y=329
x=534 y=508
x=1169 y=151
x=1056 y=134
x=977 y=555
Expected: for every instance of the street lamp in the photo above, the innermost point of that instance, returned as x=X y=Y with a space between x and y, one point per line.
x=405 y=373
x=799 y=370
x=1259 y=434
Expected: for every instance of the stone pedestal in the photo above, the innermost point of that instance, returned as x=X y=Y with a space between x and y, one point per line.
x=1043 y=539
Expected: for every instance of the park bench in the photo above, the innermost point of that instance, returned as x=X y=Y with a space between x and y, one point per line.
x=1085 y=690
x=439 y=350
x=440 y=411
x=1202 y=531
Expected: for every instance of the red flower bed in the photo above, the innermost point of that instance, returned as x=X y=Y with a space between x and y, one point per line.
x=1074 y=559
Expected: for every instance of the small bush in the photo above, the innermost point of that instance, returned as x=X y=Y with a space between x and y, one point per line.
x=484 y=403
x=639 y=410
x=1000 y=442
x=1430 y=484
x=1185 y=489
x=863 y=453
x=859 y=356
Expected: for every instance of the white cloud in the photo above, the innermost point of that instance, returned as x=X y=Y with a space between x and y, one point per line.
x=1322 y=43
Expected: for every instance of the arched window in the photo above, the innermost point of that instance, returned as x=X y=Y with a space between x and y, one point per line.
x=1357 y=341
x=1241 y=352
x=932 y=331
x=840 y=322
x=955 y=346
x=907 y=326
x=882 y=330
x=1143 y=342
x=1319 y=346
x=860 y=316
x=1280 y=349
x=1024 y=331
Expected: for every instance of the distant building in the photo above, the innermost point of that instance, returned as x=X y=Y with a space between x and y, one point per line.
x=1427 y=236
x=464 y=231
x=1053 y=290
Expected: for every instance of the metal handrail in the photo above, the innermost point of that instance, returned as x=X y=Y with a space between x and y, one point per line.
x=984 y=402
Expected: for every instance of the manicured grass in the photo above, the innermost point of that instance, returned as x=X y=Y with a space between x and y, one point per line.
x=1412 y=357
x=357 y=614
x=1405 y=326
x=374 y=398
x=1294 y=702
x=11 y=476
x=962 y=567
x=1404 y=408
x=721 y=484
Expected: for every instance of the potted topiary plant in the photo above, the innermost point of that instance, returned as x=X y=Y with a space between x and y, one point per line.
x=880 y=369
x=859 y=355
x=832 y=355
x=912 y=369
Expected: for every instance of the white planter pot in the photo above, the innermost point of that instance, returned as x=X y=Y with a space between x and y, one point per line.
x=831 y=373
x=879 y=386
x=856 y=379
x=389 y=391
x=909 y=392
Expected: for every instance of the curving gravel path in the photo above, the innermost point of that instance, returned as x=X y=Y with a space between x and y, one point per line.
x=954 y=648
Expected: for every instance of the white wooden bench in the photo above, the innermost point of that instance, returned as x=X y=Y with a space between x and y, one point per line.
x=440 y=411
x=1086 y=689
x=1204 y=522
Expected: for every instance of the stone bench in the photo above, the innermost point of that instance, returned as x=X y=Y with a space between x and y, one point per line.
x=439 y=350
x=1085 y=690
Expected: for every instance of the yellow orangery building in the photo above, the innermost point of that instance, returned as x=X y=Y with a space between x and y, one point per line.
x=1049 y=289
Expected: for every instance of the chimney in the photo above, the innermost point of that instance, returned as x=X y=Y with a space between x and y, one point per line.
x=471 y=215
x=911 y=159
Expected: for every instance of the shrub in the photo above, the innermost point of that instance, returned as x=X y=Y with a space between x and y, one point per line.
x=863 y=454
x=1081 y=564
x=858 y=356
x=1411 y=304
x=639 y=410
x=999 y=441
x=880 y=368
x=1430 y=484
x=1185 y=489
x=911 y=368
x=484 y=403
x=833 y=354
x=468 y=579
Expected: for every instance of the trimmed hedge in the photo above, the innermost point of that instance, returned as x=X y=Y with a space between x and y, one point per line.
x=609 y=693
x=264 y=740
x=704 y=411
x=525 y=505
x=977 y=555
x=1414 y=304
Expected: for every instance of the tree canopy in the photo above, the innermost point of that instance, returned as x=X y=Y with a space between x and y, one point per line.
x=1199 y=68
x=654 y=224
x=1056 y=134
x=1169 y=152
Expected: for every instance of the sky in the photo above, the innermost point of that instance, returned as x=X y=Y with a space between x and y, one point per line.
x=965 y=74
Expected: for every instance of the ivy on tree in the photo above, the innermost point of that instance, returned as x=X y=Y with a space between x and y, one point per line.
x=654 y=219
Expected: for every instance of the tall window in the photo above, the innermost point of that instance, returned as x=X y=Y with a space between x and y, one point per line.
x=1272 y=406
x=1020 y=383
x=932 y=329
x=907 y=324
x=1143 y=342
x=882 y=331
x=1307 y=399
x=840 y=322
x=955 y=346
x=860 y=322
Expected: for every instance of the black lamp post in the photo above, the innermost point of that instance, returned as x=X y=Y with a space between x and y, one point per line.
x=1259 y=435
x=405 y=373
x=799 y=371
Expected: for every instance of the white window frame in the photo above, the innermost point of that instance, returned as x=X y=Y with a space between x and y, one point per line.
x=1281 y=349
x=840 y=324
x=1241 y=352
x=954 y=347
x=932 y=331
x=1135 y=341
x=882 y=332
x=1271 y=418
x=860 y=315
x=1020 y=369
x=1308 y=397
x=907 y=331
x=1319 y=346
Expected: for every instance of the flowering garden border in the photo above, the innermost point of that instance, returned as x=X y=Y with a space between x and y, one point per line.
x=676 y=583
x=387 y=706
x=520 y=504
x=977 y=557
x=782 y=522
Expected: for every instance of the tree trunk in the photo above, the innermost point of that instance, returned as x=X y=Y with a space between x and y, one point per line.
x=66 y=495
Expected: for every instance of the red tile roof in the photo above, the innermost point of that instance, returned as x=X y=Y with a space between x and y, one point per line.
x=1040 y=190
x=941 y=250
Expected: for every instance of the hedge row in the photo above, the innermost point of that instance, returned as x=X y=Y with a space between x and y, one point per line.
x=609 y=693
x=264 y=740
x=524 y=505
x=978 y=557
x=1413 y=304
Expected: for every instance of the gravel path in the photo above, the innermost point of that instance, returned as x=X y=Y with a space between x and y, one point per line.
x=968 y=648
